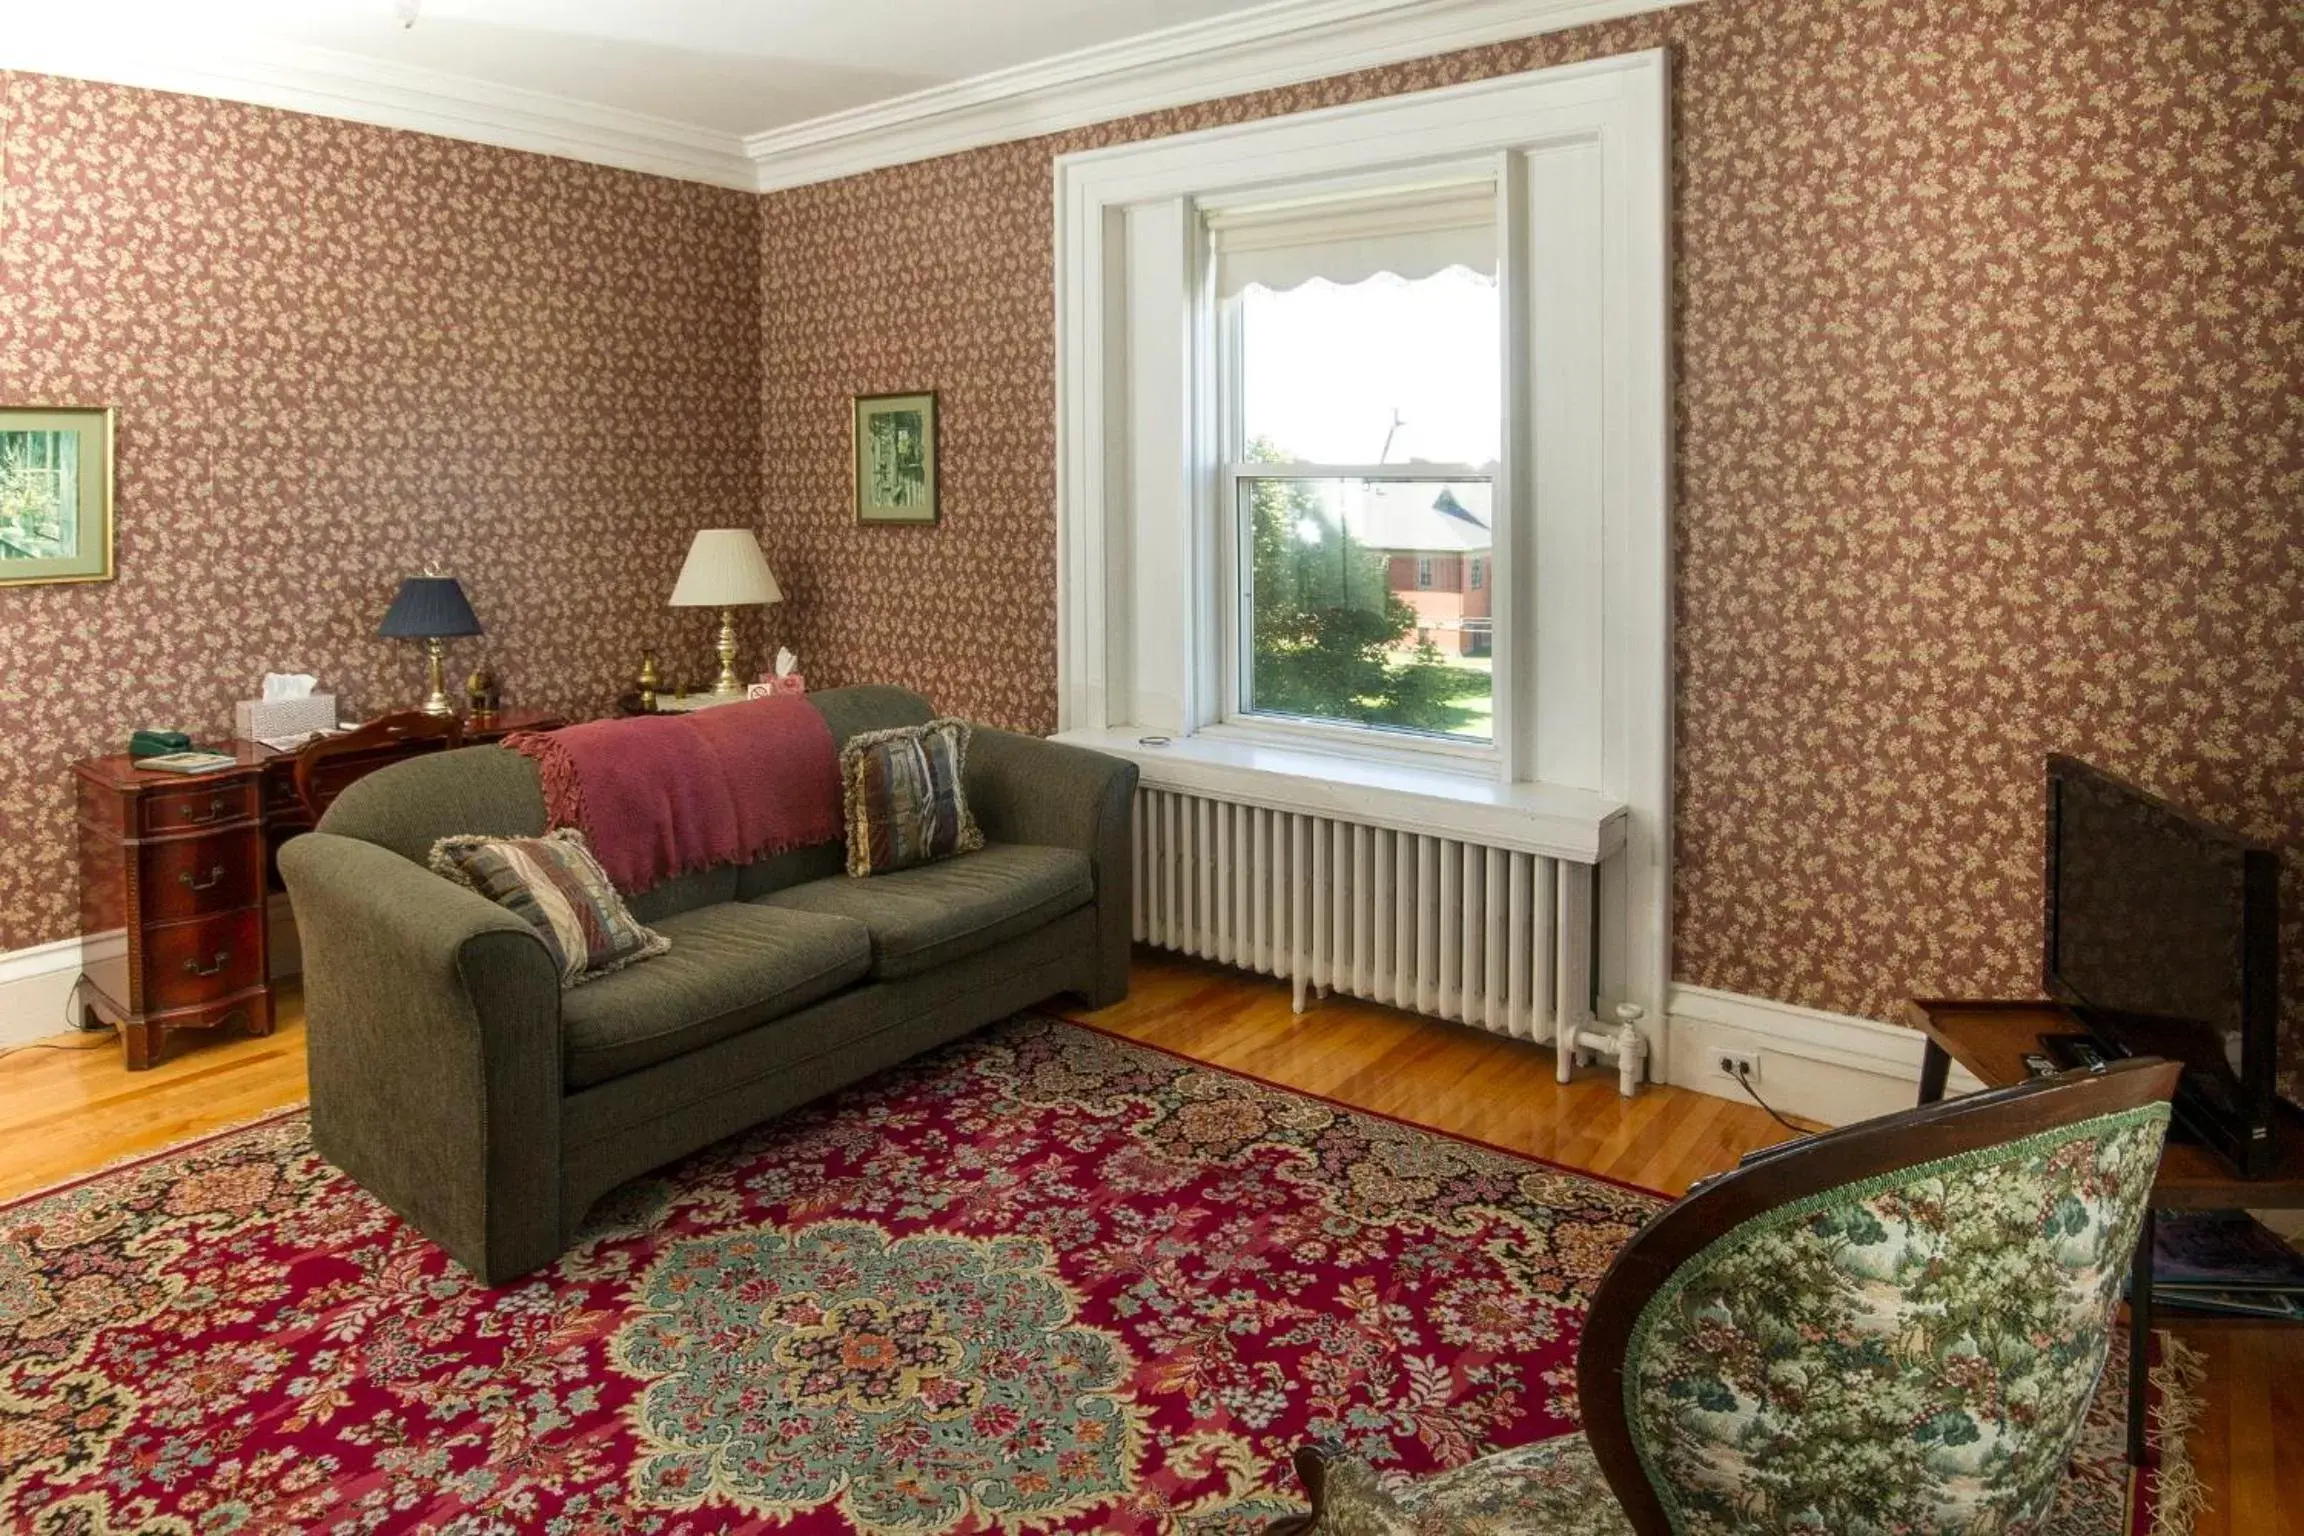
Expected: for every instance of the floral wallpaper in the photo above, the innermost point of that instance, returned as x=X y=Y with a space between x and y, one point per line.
x=1991 y=429
x=342 y=354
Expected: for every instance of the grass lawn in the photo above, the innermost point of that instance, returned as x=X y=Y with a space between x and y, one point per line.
x=1481 y=722
x=1480 y=708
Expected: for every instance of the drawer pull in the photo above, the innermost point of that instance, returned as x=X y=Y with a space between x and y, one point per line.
x=194 y=968
x=216 y=808
x=215 y=879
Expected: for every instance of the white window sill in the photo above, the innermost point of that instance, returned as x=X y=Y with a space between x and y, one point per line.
x=1571 y=824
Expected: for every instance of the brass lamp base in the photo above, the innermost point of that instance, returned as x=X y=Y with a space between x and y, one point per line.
x=436 y=703
x=727 y=682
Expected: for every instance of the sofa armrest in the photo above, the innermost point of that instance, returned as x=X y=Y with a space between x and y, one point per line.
x=1026 y=790
x=433 y=1021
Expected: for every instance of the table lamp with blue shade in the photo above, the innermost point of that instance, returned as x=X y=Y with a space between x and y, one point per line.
x=431 y=609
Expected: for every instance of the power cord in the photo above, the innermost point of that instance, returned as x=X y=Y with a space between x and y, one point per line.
x=76 y=1017
x=51 y=1045
x=1744 y=1081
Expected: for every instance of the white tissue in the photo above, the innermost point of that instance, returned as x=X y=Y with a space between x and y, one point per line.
x=785 y=661
x=287 y=685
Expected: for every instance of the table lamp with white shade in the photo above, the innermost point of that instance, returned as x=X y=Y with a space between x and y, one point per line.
x=726 y=570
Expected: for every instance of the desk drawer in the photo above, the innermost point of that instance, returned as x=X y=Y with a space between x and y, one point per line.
x=196 y=806
x=187 y=964
x=280 y=792
x=194 y=876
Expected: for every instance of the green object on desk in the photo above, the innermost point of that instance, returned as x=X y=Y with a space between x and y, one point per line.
x=158 y=743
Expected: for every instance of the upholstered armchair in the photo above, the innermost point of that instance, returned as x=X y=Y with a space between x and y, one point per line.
x=1893 y=1327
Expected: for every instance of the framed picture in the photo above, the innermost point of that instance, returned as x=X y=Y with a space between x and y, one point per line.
x=55 y=494
x=895 y=452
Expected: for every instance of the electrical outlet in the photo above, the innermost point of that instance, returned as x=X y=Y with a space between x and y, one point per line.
x=1737 y=1066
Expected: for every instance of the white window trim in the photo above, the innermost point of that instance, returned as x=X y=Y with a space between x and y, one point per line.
x=1139 y=447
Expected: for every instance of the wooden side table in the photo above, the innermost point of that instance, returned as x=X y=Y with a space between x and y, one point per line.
x=179 y=862
x=1991 y=1039
x=186 y=864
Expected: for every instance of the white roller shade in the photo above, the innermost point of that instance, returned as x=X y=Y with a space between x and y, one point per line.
x=1410 y=232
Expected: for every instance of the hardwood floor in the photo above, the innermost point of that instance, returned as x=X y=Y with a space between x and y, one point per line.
x=68 y=1105
x=2250 y=1444
x=1443 y=1075
x=72 y=1109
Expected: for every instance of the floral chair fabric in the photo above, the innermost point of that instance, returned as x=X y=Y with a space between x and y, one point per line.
x=1912 y=1353
x=1551 y=1486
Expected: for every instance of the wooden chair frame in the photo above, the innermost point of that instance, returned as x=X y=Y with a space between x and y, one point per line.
x=1791 y=1172
x=395 y=732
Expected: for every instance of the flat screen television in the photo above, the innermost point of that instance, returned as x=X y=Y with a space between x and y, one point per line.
x=2163 y=940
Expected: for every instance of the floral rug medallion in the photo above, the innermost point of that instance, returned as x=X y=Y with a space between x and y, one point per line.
x=777 y=1363
x=1042 y=1281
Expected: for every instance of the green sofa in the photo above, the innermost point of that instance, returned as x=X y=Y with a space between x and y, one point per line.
x=453 y=1078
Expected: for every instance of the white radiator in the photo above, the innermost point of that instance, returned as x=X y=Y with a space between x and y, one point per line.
x=1492 y=937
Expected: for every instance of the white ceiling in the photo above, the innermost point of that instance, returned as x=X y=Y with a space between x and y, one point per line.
x=738 y=67
x=756 y=94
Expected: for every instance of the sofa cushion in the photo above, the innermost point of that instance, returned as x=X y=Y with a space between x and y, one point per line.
x=921 y=918
x=558 y=888
x=697 y=888
x=904 y=798
x=731 y=967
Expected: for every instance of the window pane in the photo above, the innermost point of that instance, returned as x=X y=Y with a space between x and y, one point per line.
x=1386 y=371
x=1362 y=607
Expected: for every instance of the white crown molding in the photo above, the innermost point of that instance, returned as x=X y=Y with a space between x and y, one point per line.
x=339 y=85
x=1285 y=43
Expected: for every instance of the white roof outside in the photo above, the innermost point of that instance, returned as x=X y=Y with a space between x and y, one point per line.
x=1421 y=516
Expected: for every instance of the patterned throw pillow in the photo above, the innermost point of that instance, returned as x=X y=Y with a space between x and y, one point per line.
x=904 y=798
x=560 y=889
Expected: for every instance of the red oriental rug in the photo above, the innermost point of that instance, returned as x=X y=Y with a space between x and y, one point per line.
x=1041 y=1281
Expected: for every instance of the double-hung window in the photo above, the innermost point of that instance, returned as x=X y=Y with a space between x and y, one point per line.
x=1359 y=402
x=1316 y=372
x=1364 y=470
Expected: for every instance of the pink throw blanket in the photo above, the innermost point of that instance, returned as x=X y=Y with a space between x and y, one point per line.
x=662 y=795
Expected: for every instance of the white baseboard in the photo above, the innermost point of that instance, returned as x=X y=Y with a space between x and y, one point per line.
x=1833 y=1068
x=36 y=984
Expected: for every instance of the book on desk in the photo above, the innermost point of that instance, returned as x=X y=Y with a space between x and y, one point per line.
x=188 y=762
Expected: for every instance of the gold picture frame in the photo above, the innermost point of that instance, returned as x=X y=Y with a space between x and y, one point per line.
x=892 y=456
x=55 y=494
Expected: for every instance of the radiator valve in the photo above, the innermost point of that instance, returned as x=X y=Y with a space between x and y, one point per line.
x=1631 y=1048
x=1624 y=1042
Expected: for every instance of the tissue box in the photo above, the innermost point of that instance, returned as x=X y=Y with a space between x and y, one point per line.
x=254 y=719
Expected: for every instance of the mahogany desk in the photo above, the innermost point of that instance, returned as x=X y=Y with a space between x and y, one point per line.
x=1991 y=1039
x=186 y=864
